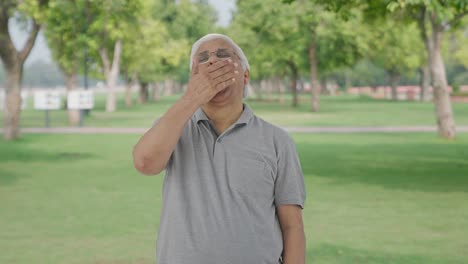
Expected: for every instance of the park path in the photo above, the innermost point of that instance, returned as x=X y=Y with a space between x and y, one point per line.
x=350 y=129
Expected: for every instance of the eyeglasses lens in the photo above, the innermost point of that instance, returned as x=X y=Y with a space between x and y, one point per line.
x=220 y=54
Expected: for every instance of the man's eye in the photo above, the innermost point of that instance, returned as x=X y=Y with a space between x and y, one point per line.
x=202 y=58
x=223 y=54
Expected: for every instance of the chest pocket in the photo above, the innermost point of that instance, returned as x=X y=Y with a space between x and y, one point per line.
x=251 y=177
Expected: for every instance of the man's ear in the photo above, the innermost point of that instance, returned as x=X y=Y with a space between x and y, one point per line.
x=246 y=77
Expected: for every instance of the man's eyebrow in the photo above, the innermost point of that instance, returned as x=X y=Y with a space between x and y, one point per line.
x=203 y=52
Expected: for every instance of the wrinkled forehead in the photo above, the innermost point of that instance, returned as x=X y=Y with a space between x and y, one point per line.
x=213 y=45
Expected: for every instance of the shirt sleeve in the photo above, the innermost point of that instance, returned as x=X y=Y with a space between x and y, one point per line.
x=289 y=182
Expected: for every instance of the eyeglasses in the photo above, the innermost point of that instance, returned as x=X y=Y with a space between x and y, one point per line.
x=222 y=54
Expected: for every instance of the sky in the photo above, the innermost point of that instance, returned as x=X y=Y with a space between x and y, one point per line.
x=42 y=52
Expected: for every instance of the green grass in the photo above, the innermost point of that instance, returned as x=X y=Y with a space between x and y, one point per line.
x=371 y=198
x=335 y=111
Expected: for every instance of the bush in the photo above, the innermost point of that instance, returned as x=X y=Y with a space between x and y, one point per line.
x=458 y=93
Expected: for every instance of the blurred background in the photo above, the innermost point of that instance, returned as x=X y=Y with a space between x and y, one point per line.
x=374 y=93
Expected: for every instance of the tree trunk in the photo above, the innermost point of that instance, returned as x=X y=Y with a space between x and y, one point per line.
x=394 y=80
x=169 y=86
x=269 y=86
x=332 y=88
x=276 y=86
x=128 y=94
x=73 y=114
x=156 y=92
x=129 y=84
x=293 y=83
x=144 y=93
x=432 y=39
x=258 y=90
x=424 y=82
x=314 y=83
x=323 y=86
x=111 y=101
x=347 y=79
x=13 y=61
x=388 y=92
x=263 y=87
x=111 y=72
x=443 y=105
x=177 y=86
x=11 y=116
x=282 y=91
x=426 y=71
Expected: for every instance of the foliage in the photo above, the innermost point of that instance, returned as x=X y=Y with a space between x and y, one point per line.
x=270 y=36
x=276 y=34
x=186 y=21
x=157 y=35
x=396 y=47
x=66 y=33
x=145 y=50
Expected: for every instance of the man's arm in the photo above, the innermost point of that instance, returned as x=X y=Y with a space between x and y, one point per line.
x=292 y=228
x=153 y=150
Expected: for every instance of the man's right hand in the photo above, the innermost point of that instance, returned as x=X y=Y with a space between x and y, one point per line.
x=207 y=80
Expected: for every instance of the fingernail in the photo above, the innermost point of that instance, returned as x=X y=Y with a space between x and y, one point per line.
x=233 y=79
x=235 y=64
x=229 y=60
x=236 y=72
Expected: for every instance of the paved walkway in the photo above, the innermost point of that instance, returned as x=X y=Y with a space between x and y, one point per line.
x=128 y=130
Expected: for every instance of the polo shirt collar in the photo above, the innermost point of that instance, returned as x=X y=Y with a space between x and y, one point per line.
x=245 y=117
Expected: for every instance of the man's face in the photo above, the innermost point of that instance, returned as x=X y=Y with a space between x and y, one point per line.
x=213 y=51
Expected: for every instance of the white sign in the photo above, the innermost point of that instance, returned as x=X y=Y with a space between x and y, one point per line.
x=80 y=99
x=47 y=100
x=24 y=100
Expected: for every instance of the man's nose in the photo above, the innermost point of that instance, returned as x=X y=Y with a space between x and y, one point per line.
x=212 y=59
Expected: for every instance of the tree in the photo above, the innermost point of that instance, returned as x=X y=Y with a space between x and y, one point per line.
x=152 y=51
x=186 y=21
x=436 y=17
x=65 y=33
x=270 y=34
x=110 y=21
x=461 y=53
x=334 y=43
x=396 y=48
x=301 y=36
x=32 y=12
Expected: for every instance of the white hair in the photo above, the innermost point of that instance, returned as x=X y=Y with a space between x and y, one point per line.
x=243 y=59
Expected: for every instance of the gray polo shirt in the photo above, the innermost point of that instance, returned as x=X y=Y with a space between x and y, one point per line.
x=220 y=193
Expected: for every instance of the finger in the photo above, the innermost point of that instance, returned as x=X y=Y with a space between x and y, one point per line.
x=219 y=64
x=222 y=71
x=195 y=66
x=224 y=77
x=222 y=85
x=203 y=68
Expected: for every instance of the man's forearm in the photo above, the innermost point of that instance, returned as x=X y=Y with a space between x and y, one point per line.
x=294 y=246
x=154 y=148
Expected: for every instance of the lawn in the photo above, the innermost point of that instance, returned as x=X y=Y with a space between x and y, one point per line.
x=342 y=110
x=371 y=198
